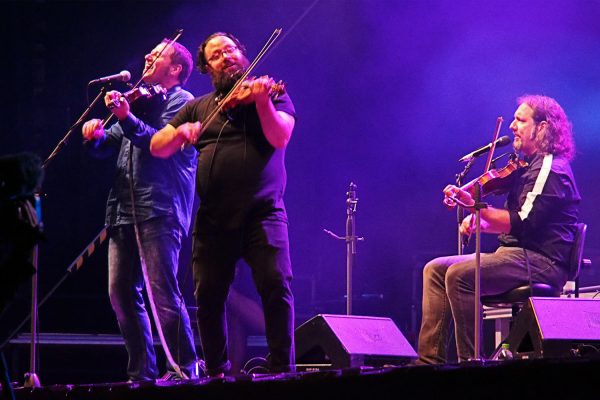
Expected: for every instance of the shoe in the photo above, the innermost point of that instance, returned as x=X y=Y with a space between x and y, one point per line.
x=197 y=370
x=170 y=376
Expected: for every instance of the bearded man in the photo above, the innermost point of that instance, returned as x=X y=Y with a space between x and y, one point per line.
x=240 y=180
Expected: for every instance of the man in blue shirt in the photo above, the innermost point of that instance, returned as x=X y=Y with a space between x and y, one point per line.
x=157 y=195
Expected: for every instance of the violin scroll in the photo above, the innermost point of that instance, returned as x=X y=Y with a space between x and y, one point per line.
x=134 y=94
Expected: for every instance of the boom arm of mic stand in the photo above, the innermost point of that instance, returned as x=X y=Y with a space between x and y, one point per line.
x=64 y=140
x=333 y=235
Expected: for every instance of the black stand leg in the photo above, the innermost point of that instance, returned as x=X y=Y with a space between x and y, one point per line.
x=7 y=392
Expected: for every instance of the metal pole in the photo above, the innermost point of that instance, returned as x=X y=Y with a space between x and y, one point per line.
x=478 y=207
x=351 y=203
x=31 y=378
x=351 y=239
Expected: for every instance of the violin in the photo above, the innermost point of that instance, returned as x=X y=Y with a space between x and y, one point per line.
x=496 y=181
x=145 y=91
x=241 y=94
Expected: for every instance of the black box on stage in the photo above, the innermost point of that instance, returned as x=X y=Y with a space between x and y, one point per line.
x=556 y=327
x=346 y=341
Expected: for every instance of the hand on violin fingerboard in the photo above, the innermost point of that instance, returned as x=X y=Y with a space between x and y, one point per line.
x=117 y=103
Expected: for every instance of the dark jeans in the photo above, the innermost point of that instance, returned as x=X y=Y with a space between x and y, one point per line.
x=449 y=295
x=161 y=241
x=265 y=248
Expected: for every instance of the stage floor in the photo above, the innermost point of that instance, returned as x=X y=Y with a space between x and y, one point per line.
x=533 y=379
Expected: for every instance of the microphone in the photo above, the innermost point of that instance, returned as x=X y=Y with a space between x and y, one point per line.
x=502 y=141
x=123 y=76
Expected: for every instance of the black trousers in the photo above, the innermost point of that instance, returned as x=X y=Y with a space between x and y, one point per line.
x=264 y=245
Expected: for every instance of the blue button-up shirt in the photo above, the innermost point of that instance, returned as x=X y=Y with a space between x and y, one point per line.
x=160 y=186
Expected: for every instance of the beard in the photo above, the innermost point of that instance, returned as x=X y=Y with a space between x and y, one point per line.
x=223 y=81
x=517 y=144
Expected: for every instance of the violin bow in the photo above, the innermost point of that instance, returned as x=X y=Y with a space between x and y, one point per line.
x=488 y=163
x=495 y=137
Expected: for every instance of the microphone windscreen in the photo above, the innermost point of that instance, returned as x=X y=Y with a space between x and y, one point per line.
x=125 y=75
x=503 y=141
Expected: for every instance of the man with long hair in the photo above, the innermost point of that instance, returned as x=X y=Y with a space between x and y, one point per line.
x=536 y=230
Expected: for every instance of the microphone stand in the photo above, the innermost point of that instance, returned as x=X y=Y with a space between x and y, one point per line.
x=31 y=378
x=351 y=239
x=478 y=207
x=460 y=213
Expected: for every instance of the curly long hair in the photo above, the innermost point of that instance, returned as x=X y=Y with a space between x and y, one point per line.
x=557 y=138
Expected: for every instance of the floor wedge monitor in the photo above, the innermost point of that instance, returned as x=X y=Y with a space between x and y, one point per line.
x=556 y=327
x=346 y=341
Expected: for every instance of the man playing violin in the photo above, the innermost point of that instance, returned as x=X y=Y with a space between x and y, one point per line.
x=240 y=180
x=163 y=195
x=536 y=231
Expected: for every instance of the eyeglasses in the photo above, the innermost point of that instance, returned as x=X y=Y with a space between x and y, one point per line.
x=216 y=56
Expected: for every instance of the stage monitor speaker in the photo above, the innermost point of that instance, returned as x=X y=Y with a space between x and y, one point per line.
x=346 y=341
x=556 y=327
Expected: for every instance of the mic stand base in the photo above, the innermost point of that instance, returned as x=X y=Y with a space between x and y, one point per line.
x=32 y=380
x=474 y=362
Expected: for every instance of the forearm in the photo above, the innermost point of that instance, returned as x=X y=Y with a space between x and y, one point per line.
x=166 y=142
x=277 y=126
x=495 y=220
x=136 y=130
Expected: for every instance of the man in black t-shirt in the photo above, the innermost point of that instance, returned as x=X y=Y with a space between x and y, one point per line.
x=537 y=229
x=240 y=180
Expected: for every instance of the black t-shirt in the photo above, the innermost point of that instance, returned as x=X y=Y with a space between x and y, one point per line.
x=239 y=175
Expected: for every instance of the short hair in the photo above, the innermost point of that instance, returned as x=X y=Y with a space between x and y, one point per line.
x=182 y=56
x=558 y=137
x=202 y=62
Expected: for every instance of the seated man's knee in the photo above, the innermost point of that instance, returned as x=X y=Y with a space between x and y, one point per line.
x=460 y=273
x=433 y=269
